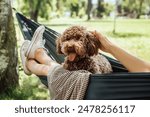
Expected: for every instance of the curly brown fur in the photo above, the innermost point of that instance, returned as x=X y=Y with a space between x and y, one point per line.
x=81 y=50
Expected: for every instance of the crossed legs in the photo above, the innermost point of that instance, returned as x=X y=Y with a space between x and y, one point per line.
x=40 y=65
x=33 y=55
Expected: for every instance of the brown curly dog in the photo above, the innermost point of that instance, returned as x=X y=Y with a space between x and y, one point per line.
x=81 y=50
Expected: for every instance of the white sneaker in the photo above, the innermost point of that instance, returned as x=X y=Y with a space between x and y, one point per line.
x=23 y=50
x=36 y=42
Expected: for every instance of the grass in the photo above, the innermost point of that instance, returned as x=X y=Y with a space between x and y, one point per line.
x=30 y=88
x=131 y=34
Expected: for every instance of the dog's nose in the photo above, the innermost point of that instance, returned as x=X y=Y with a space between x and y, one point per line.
x=70 y=48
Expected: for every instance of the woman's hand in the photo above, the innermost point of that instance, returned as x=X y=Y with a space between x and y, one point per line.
x=106 y=45
x=132 y=63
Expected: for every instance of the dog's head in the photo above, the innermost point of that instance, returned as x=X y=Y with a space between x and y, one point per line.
x=76 y=42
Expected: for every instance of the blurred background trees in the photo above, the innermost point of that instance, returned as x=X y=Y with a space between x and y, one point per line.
x=83 y=8
x=133 y=8
x=36 y=8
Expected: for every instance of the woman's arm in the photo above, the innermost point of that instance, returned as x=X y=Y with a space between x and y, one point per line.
x=132 y=63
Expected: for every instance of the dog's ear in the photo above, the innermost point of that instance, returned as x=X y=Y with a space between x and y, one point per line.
x=93 y=44
x=58 y=46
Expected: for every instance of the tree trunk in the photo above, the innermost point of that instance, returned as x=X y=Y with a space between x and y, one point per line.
x=34 y=15
x=100 y=8
x=89 y=8
x=140 y=9
x=35 y=12
x=8 y=47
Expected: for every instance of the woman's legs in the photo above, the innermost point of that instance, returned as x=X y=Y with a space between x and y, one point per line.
x=44 y=64
x=34 y=58
x=42 y=57
x=36 y=68
x=42 y=67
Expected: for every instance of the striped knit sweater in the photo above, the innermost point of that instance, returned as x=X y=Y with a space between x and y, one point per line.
x=67 y=85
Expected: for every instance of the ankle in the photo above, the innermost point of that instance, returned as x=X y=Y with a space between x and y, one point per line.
x=45 y=70
x=39 y=51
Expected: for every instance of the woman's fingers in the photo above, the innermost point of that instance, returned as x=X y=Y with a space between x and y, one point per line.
x=105 y=43
x=98 y=35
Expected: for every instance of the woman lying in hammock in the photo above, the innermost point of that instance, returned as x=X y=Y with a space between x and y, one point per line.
x=64 y=84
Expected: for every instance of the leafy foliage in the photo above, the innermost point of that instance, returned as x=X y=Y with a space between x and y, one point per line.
x=35 y=8
x=133 y=8
x=104 y=9
x=79 y=8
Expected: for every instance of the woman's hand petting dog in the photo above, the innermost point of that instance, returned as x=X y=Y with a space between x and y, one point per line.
x=105 y=45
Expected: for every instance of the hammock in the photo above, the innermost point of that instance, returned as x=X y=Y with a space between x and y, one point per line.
x=119 y=85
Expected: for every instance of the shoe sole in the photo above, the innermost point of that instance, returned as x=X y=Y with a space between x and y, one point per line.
x=23 y=58
x=38 y=31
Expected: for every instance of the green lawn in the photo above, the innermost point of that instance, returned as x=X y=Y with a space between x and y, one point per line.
x=132 y=35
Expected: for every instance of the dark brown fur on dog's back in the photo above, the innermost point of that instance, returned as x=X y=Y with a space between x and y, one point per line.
x=84 y=47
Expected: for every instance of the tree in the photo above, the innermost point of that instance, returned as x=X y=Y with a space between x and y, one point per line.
x=133 y=8
x=8 y=47
x=34 y=11
x=100 y=8
x=140 y=8
x=82 y=10
x=148 y=8
x=58 y=8
x=74 y=7
x=89 y=8
x=36 y=8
